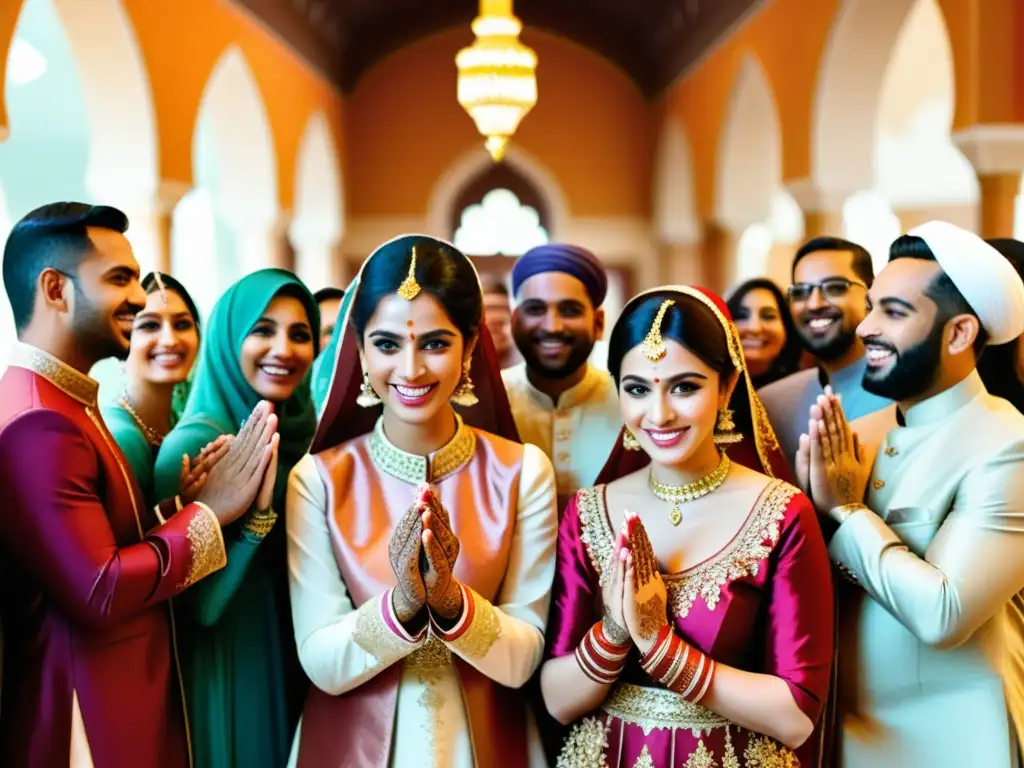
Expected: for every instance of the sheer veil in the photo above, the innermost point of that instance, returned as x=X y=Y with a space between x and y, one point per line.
x=341 y=419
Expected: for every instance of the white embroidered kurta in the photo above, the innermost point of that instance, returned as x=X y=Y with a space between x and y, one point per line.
x=577 y=433
x=431 y=726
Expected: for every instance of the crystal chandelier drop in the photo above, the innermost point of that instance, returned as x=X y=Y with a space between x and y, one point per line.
x=497 y=80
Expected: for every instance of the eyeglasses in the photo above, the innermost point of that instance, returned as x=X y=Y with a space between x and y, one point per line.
x=831 y=289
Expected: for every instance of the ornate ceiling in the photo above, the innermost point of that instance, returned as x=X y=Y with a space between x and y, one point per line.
x=653 y=41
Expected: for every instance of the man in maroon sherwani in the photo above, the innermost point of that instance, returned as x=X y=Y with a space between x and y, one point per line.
x=90 y=667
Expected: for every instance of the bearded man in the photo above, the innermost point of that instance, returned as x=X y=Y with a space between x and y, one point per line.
x=561 y=403
x=931 y=536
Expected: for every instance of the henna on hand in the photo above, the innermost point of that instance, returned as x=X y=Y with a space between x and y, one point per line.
x=403 y=552
x=443 y=593
x=613 y=630
x=652 y=616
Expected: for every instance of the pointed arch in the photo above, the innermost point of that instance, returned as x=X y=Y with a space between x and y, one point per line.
x=234 y=162
x=857 y=54
x=318 y=218
x=675 y=195
x=749 y=168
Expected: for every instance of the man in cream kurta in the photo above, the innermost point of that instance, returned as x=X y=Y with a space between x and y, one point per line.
x=561 y=403
x=931 y=540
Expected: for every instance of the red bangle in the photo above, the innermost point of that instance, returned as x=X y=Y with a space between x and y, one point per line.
x=600 y=659
x=651 y=658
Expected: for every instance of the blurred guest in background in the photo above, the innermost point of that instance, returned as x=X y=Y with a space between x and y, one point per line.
x=498 y=317
x=771 y=345
x=329 y=302
x=1002 y=366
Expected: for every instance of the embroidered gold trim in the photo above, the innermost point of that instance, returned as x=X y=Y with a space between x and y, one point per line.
x=585 y=745
x=765 y=753
x=483 y=631
x=651 y=708
x=429 y=662
x=729 y=759
x=595 y=533
x=69 y=381
x=701 y=757
x=415 y=469
x=644 y=759
x=374 y=636
x=742 y=558
x=208 y=553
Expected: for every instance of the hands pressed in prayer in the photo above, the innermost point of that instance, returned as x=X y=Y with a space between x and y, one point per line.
x=645 y=598
x=441 y=547
x=404 y=553
x=194 y=472
x=612 y=591
x=831 y=466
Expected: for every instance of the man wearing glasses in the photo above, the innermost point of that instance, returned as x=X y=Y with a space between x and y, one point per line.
x=828 y=299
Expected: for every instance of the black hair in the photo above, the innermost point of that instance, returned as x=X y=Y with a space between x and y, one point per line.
x=150 y=285
x=689 y=322
x=947 y=297
x=328 y=294
x=862 y=266
x=54 y=236
x=443 y=272
x=788 y=360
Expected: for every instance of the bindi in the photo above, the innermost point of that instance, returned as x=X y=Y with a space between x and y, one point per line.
x=412 y=336
x=657 y=380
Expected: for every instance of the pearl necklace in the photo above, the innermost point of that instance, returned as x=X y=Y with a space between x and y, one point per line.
x=680 y=494
x=153 y=436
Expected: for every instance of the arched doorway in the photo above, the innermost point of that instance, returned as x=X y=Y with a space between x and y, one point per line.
x=318 y=221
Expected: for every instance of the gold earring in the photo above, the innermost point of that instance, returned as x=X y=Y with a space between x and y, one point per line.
x=629 y=441
x=367 y=397
x=463 y=394
x=725 y=433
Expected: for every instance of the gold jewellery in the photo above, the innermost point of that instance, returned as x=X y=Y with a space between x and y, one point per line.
x=680 y=494
x=153 y=436
x=654 y=345
x=410 y=289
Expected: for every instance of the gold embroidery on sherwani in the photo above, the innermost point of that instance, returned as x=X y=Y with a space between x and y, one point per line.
x=68 y=380
x=740 y=559
x=414 y=469
x=701 y=757
x=729 y=759
x=428 y=664
x=482 y=632
x=765 y=753
x=595 y=532
x=584 y=746
x=373 y=635
x=651 y=708
x=644 y=759
x=208 y=555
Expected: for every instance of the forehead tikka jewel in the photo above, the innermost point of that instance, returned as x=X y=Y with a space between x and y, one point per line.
x=161 y=287
x=654 y=346
x=410 y=289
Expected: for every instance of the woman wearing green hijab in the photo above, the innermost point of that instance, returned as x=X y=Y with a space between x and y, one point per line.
x=244 y=687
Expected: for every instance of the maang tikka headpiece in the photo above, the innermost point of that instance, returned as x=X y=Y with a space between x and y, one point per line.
x=410 y=289
x=160 y=286
x=654 y=346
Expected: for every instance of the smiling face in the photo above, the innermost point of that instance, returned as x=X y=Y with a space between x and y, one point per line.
x=413 y=355
x=903 y=342
x=555 y=324
x=762 y=333
x=107 y=295
x=827 y=302
x=164 y=340
x=278 y=351
x=671 y=406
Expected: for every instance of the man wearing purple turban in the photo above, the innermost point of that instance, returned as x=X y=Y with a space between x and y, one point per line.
x=561 y=403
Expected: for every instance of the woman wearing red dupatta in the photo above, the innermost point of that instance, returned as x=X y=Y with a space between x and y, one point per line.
x=421 y=536
x=713 y=645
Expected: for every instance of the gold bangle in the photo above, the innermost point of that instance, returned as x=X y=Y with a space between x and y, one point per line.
x=260 y=525
x=842 y=513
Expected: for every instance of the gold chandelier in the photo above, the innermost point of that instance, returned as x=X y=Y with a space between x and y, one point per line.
x=497 y=80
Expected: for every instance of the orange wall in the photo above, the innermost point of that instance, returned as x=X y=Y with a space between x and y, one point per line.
x=591 y=128
x=180 y=50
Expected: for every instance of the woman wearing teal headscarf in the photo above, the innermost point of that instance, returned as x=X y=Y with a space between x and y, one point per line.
x=244 y=687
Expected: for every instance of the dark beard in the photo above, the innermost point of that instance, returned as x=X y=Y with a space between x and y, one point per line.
x=581 y=347
x=914 y=371
x=94 y=333
x=830 y=349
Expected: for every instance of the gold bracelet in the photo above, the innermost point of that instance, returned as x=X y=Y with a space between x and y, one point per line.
x=842 y=513
x=259 y=524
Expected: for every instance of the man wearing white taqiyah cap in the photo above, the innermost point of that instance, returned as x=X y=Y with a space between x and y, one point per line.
x=931 y=531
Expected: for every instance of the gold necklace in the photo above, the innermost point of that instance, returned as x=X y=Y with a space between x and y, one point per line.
x=680 y=494
x=153 y=436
